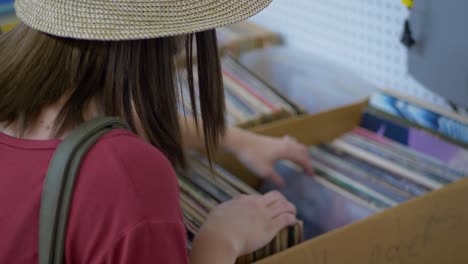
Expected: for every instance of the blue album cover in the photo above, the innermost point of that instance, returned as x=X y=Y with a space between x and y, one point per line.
x=420 y=116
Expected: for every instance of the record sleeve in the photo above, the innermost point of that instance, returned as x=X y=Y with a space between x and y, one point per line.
x=361 y=176
x=417 y=164
x=197 y=194
x=320 y=207
x=214 y=191
x=214 y=178
x=398 y=181
x=354 y=187
x=256 y=87
x=389 y=166
x=228 y=177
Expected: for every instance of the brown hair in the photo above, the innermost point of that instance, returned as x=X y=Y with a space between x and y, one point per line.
x=126 y=77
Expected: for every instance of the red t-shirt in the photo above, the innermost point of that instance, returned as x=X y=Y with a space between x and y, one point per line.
x=125 y=207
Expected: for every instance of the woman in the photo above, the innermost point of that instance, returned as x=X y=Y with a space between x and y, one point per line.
x=71 y=61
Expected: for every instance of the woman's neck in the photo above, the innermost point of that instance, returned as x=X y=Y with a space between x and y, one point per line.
x=43 y=127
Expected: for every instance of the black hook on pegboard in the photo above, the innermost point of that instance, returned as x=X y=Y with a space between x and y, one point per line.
x=407 y=36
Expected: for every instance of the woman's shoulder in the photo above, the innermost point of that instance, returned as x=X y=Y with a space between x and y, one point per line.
x=128 y=151
x=122 y=164
x=126 y=144
x=125 y=204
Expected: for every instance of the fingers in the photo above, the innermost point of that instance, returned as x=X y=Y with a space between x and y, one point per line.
x=298 y=153
x=275 y=178
x=281 y=207
x=240 y=196
x=274 y=208
x=272 y=197
x=282 y=221
x=281 y=212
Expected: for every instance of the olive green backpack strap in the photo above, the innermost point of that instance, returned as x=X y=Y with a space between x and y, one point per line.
x=59 y=183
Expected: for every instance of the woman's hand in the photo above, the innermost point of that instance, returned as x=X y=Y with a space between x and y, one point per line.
x=260 y=153
x=246 y=223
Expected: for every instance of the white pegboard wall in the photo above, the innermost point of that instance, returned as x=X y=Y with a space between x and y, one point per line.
x=362 y=35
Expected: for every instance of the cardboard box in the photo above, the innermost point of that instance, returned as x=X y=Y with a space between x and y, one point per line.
x=431 y=229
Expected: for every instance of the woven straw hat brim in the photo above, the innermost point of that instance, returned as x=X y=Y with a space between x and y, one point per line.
x=132 y=19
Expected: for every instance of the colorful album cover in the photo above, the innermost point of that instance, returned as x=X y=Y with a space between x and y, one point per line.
x=420 y=116
x=454 y=155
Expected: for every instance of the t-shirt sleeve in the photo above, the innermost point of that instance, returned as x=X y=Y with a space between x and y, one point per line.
x=149 y=242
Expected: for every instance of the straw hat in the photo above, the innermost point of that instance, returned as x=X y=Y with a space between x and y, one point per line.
x=132 y=19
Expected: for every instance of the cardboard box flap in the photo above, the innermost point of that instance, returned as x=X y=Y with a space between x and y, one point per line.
x=431 y=229
x=317 y=128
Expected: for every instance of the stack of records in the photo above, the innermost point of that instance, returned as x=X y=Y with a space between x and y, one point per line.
x=245 y=36
x=7 y=15
x=378 y=165
x=203 y=188
x=249 y=101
